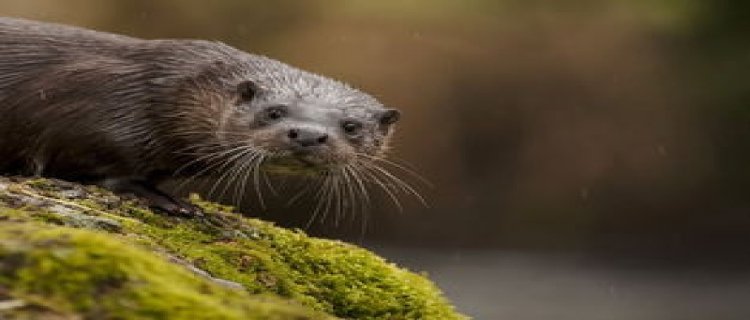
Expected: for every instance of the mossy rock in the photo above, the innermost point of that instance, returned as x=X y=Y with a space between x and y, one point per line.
x=78 y=252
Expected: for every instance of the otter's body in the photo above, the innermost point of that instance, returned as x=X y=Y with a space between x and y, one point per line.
x=127 y=113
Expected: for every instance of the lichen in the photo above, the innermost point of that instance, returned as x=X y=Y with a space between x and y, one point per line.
x=84 y=252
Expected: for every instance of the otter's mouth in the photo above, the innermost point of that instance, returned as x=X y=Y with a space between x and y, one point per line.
x=296 y=165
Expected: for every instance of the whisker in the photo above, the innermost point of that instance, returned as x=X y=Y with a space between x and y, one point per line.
x=385 y=188
x=256 y=174
x=405 y=187
x=241 y=176
x=356 y=202
x=300 y=193
x=402 y=167
x=364 y=197
x=207 y=157
x=268 y=184
x=339 y=198
x=226 y=173
x=244 y=172
x=220 y=161
x=319 y=200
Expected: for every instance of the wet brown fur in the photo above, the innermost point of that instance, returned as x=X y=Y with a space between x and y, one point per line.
x=128 y=113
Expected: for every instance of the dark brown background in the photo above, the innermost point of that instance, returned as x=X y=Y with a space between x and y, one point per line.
x=606 y=128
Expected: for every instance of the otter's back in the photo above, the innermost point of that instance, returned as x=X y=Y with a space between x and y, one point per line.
x=67 y=90
x=53 y=79
x=22 y=32
x=27 y=47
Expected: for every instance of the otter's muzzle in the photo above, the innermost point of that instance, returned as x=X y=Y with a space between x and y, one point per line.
x=306 y=138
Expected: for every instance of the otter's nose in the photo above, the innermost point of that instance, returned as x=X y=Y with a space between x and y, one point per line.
x=307 y=138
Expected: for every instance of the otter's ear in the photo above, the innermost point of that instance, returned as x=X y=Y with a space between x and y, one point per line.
x=389 y=116
x=247 y=90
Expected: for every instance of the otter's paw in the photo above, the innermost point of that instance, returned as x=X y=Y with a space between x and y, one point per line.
x=175 y=207
x=155 y=198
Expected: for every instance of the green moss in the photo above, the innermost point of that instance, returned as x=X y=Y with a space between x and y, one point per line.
x=79 y=272
x=267 y=261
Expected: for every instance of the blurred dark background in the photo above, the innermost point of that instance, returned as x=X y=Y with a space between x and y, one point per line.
x=567 y=133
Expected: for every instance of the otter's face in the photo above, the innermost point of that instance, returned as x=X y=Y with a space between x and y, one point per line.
x=298 y=129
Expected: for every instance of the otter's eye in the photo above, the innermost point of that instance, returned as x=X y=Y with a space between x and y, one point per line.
x=351 y=127
x=247 y=90
x=275 y=113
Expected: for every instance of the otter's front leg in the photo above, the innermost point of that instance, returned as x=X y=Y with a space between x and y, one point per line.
x=156 y=198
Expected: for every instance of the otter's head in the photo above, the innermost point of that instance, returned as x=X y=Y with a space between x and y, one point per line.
x=301 y=122
x=252 y=115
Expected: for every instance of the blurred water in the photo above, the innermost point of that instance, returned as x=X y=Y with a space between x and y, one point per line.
x=495 y=284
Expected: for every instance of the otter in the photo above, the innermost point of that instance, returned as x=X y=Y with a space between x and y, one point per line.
x=127 y=114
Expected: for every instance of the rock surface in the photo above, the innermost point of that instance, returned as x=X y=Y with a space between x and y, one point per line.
x=69 y=251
